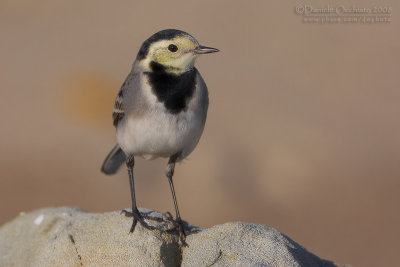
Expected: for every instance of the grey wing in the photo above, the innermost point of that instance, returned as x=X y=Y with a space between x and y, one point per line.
x=119 y=110
x=129 y=96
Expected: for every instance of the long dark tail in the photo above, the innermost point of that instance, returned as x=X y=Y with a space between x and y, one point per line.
x=113 y=161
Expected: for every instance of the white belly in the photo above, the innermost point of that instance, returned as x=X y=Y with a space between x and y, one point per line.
x=161 y=134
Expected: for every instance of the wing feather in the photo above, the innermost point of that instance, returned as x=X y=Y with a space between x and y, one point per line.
x=119 y=109
x=118 y=112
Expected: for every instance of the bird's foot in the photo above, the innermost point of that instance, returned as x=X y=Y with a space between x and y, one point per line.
x=166 y=217
x=178 y=226
x=137 y=217
x=181 y=231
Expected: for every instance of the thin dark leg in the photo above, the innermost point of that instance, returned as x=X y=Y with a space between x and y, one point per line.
x=171 y=184
x=170 y=174
x=130 y=162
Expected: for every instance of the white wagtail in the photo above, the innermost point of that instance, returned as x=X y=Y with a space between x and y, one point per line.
x=160 y=110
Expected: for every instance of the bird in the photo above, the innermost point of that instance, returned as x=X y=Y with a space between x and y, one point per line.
x=160 y=111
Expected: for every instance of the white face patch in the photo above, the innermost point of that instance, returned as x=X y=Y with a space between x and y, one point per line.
x=182 y=63
x=176 y=60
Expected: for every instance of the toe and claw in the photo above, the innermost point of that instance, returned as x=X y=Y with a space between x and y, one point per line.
x=178 y=225
x=137 y=217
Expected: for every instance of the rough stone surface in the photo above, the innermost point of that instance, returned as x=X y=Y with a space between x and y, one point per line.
x=72 y=237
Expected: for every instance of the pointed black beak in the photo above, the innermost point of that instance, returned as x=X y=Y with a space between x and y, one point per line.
x=205 y=50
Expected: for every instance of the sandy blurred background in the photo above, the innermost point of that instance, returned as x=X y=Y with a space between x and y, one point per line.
x=303 y=132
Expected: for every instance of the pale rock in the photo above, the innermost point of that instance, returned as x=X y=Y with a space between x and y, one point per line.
x=72 y=237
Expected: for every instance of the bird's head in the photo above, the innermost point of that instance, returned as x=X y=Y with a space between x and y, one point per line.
x=172 y=51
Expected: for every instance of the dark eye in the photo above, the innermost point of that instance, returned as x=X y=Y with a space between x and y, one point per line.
x=172 y=48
